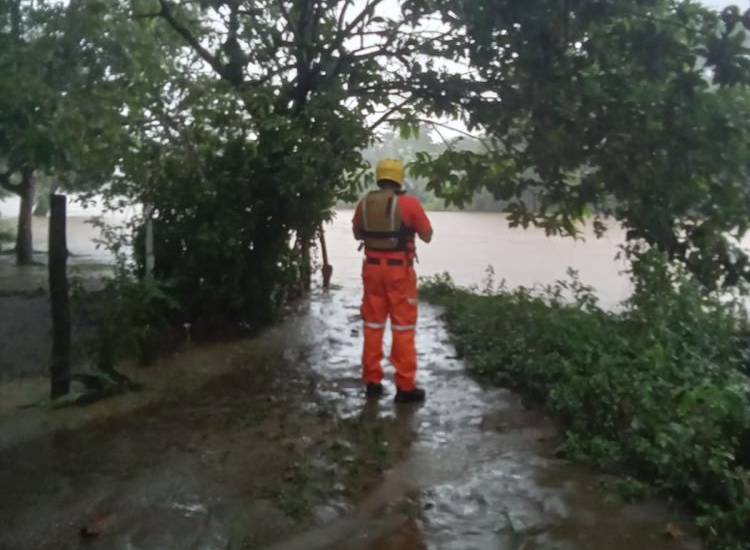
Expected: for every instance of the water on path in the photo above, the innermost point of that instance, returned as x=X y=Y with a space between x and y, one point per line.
x=480 y=472
x=280 y=450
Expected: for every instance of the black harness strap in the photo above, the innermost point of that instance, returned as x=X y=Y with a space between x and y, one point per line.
x=382 y=234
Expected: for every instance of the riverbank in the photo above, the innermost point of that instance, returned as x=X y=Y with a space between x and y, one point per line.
x=658 y=391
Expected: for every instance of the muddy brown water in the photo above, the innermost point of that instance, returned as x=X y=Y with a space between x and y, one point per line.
x=272 y=444
x=466 y=243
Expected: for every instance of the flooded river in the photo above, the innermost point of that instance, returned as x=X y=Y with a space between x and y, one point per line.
x=269 y=443
x=465 y=244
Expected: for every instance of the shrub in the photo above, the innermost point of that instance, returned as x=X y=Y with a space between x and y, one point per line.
x=658 y=389
x=128 y=317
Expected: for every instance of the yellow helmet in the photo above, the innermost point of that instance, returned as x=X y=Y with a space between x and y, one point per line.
x=391 y=170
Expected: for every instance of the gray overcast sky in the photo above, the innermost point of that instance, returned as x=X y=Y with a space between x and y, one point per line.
x=719 y=4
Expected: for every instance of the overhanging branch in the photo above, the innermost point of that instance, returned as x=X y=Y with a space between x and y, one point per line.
x=184 y=32
x=387 y=114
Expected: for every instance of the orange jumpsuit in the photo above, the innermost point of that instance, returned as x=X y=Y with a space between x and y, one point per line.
x=390 y=290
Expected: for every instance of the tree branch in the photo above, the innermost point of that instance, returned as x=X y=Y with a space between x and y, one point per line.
x=386 y=115
x=182 y=30
x=367 y=10
x=152 y=15
x=439 y=133
x=287 y=16
x=342 y=16
x=343 y=32
x=435 y=124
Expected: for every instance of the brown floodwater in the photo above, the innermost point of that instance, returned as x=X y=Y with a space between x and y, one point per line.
x=269 y=443
x=466 y=243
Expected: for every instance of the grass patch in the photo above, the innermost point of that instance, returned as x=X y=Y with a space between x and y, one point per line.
x=659 y=390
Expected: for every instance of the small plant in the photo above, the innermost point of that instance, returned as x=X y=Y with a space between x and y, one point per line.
x=129 y=312
x=129 y=319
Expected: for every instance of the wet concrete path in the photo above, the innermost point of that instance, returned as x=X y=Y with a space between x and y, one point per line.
x=480 y=472
x=280 y=450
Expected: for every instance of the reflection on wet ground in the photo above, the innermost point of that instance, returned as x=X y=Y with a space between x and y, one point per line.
x=480 y=471
x=280 y=450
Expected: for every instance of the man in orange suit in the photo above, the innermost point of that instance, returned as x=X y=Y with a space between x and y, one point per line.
x=387 y=220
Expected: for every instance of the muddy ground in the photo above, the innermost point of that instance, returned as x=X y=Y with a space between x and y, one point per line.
x=269 y=443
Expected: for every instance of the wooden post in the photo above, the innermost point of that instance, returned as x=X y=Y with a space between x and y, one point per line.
x=58 y=292
x=327 y=268
x=149 y=211
x=306 y=274
x=24 y=242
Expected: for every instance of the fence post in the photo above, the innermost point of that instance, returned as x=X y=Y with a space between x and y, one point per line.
x=148 y=211
x=327 y=268
x=59 y=299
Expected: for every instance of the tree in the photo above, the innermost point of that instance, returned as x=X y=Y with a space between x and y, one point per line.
x=60 y=101
x=433 y=138
x=632 y=110
x=257 y=136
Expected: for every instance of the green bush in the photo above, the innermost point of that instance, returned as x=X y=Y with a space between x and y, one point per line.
x=129 y=316
x=658 y=390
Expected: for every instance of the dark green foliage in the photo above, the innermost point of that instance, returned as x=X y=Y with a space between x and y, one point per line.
x=634 y=110
x=659 y=389
x=224 y=241
x=126 y=319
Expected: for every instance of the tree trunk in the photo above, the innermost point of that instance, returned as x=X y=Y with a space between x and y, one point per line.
x=150 y=258
x=58 y=291
x=327 y=268
x=306 y=275
x=24 y=242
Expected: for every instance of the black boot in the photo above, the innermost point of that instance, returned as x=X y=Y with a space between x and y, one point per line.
x=374 y=390
x=416 y=395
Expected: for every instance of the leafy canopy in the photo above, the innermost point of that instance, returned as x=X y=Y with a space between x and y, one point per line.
x=635 y=110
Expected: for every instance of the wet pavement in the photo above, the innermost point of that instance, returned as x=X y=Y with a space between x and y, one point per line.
x=480 y=472
x=278 y=449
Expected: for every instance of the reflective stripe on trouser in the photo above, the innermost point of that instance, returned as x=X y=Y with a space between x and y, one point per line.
x=389 y=291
